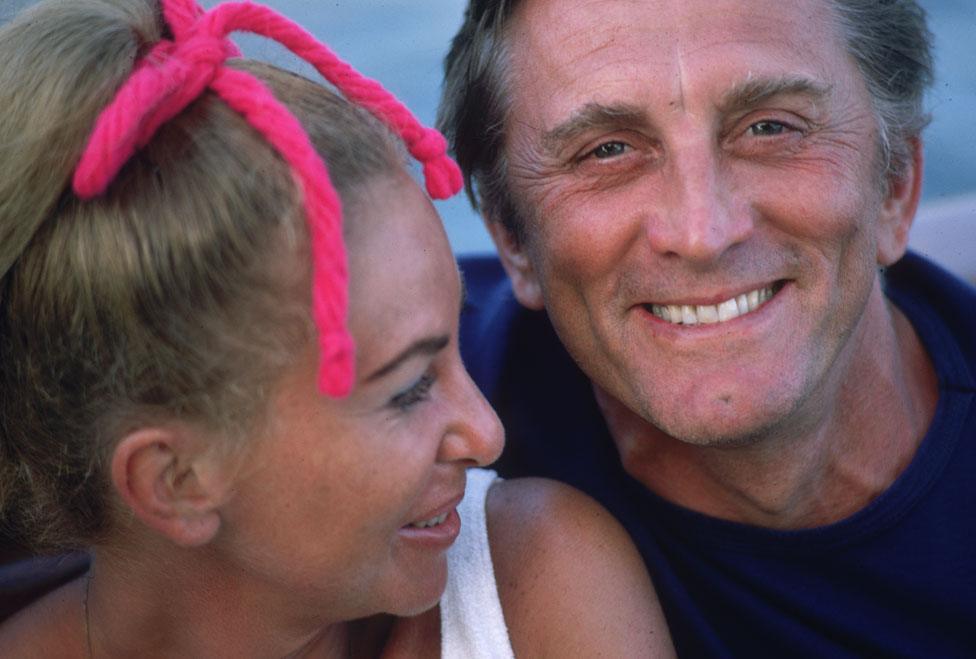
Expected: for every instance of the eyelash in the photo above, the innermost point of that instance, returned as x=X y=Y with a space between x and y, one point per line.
x=418 y=392
x=619 y=146
x=613 y=149
x=779 y=125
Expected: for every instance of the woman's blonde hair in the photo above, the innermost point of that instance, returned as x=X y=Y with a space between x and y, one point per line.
x=180 y=294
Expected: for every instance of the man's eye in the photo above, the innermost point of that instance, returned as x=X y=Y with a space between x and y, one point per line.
x=767 y=128
x=609 y=150
x=418 y=391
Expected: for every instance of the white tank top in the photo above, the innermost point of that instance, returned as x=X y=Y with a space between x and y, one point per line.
x=472 y=625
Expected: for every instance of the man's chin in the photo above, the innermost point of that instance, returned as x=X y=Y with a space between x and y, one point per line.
x=728 y=427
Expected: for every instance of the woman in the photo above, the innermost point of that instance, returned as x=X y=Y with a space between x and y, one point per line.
x=176 y=402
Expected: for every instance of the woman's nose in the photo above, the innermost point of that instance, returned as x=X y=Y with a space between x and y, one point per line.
x=475 y=433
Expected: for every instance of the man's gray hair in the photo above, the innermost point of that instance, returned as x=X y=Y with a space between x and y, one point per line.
x=888 y=39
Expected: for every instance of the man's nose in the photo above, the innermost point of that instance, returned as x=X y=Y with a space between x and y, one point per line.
x=474 y=434
x=701 y=214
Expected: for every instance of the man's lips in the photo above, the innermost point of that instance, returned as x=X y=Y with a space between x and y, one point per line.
x=691 y=313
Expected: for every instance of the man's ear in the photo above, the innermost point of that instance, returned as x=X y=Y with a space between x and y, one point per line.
x=171 y=482
x=898 y=208
x=515 y=259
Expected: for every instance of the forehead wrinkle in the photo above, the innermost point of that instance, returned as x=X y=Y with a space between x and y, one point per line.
x=679 y=83
x=676 y=45
x=531 y=48
x=682 y=40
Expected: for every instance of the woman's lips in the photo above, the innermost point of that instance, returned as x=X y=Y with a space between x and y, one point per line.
x=437 y=536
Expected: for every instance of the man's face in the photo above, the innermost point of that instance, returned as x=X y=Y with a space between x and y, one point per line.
x=704 y=214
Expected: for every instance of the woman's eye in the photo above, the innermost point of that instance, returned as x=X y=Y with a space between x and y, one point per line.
x=609 y=150
x=767 y=128
x=418 y=391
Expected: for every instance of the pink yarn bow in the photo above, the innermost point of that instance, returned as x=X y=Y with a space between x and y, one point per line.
x=176 y=72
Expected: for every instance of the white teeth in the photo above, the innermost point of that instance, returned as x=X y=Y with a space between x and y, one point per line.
x=753 y=299
x=707 y=313
x=713 y=313
x=728 y=310
x=433 y=521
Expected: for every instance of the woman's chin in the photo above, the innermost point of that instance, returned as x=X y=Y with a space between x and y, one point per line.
x=421 y=593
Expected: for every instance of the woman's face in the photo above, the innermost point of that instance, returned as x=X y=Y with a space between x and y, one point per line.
x=334 y=501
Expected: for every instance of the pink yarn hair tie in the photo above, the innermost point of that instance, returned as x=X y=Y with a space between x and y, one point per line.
x=175 y=72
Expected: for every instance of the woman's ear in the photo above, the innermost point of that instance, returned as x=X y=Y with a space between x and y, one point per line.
x=518 y=264
x=899 y=207
x=171 y=482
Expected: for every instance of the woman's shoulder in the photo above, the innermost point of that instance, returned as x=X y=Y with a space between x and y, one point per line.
x=552 y=525
x=569 y=577
x=51 y=627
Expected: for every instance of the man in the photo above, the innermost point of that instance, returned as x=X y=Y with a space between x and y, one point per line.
x=703 y=197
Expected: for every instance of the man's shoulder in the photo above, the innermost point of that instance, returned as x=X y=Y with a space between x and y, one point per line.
x=482 y=274
x=498 y=335
x=487 y=317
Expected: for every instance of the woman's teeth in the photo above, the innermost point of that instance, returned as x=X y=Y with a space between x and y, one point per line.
x=684 y=314
x=433 y=521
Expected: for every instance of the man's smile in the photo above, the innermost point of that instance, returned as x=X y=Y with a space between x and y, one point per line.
x=735 y=306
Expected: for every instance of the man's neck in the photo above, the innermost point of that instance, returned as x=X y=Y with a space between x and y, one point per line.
x=813 y=468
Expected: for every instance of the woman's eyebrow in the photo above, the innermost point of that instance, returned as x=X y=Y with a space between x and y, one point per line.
x=426 y=346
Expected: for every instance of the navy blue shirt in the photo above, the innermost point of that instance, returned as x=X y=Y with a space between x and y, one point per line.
x=896 y=579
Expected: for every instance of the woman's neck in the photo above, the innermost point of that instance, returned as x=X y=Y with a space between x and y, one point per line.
x=171 y=606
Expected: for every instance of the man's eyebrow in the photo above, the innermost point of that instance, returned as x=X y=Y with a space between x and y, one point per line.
x=743 y=95
x=752 y=92
x=591 y=115
x=426 y=346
